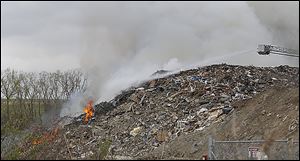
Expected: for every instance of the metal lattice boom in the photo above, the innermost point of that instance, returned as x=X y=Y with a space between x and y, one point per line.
x=272 y=49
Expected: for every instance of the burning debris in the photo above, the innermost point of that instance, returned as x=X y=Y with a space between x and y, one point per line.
x=89 y=111
x=47 y=137
x=142 y=118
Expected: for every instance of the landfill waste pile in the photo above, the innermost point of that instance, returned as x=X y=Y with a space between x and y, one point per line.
x=156 y=112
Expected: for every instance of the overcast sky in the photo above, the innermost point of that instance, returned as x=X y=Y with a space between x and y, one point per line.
x=48 y=36
x=39 y=36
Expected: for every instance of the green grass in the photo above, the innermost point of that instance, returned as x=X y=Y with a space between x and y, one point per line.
x=20 y=117
x=30 y=152
x=14 y=154
x=103 y=150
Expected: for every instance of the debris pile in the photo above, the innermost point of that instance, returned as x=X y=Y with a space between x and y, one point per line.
x=142 y=118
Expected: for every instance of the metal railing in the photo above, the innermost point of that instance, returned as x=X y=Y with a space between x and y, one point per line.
x=252 y=149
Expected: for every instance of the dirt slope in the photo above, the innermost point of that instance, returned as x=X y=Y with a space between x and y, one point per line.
x=270 y=115
x=172 y=117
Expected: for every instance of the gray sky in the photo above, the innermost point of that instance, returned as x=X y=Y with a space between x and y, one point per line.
x=48 y=36
x=121 y=43
x=39 y=35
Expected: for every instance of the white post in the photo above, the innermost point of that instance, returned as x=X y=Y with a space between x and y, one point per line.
x=210 y=148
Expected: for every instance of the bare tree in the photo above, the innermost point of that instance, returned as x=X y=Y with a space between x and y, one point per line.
x=79 y=81
x=65 y=83
x=21 y=91
x=83 y=84
x=32 y=93
x=44 y=89
x=55 y=88
x=8 y=86
x=74 y=81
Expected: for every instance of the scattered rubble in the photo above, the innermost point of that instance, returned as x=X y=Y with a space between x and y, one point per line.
x=141 y=118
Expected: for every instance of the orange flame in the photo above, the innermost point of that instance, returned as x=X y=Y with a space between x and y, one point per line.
x=38 y=141
x=46 y=137
x=89 y=111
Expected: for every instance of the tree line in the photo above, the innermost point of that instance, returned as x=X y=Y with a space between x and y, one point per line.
x=28 y=90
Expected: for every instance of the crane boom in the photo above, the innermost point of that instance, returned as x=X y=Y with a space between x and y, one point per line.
x=272 y=49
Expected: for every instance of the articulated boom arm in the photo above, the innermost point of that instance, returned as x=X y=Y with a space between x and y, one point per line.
x=272 y=49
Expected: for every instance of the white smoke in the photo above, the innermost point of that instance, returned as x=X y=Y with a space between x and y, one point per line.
x=125 y=42
x=74 y=106
x=281 y=18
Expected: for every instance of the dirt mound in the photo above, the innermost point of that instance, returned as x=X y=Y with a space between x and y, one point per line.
x=270 y=115
x=172 y=116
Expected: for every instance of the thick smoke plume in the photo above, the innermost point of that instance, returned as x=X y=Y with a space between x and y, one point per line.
x=125 y=42
x=281 y=18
